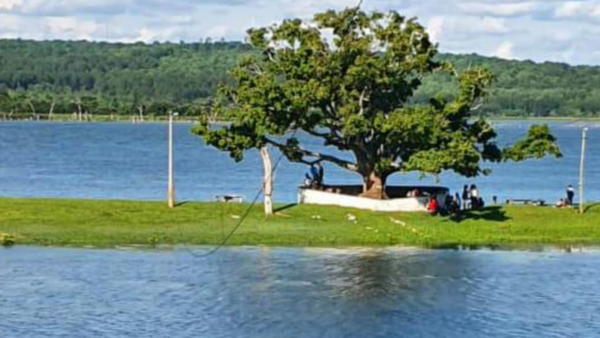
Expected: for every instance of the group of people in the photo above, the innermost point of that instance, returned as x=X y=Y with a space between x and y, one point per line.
x=568 y=200
x=471 y=199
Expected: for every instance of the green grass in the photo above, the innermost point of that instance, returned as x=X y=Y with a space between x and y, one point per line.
x=123 y=223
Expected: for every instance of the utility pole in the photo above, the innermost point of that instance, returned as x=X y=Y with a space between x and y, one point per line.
x=171 y=184
x=581 y=168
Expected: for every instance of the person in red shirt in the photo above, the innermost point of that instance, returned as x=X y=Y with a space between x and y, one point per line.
x=433 y=206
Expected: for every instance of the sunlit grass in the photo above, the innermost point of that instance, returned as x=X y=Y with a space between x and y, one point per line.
x=120 y=223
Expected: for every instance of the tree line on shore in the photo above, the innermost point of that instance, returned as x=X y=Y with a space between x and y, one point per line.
x=39 y=79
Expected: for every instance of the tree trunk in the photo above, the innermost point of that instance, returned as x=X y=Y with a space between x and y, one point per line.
x=268 y=180
x=374 y=186
x=33 y=112
x=51 y=112
x=141 y=111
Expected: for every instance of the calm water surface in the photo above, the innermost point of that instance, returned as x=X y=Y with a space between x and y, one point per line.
x=253 y=292
x=127 y=161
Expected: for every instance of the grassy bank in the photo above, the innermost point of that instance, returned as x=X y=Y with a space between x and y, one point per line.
x=115 y=223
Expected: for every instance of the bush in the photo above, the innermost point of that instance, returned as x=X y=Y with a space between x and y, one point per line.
x=7 y=240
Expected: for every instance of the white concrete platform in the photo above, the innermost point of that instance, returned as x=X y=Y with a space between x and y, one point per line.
x=331 y=195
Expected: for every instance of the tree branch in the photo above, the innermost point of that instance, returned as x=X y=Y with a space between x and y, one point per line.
x=332 y=137
x=361 y=102
x=320 y=157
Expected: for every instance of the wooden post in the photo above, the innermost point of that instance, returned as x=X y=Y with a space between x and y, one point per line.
x=581 y=168
x=171 y=183
x=268 y=180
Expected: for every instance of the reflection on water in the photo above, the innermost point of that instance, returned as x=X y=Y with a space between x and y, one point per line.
x=259 y=292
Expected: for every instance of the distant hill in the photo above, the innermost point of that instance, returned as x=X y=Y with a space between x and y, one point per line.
x=526 y=88
x=63 y=76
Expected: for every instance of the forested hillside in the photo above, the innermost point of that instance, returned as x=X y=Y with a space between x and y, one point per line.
x=525 y=88
x=38 y=79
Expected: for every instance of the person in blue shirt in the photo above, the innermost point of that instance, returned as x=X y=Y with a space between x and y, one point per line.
x=320 y=174
x=312 y=177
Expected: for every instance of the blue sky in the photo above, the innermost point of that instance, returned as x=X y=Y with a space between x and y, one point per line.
x=541 y=30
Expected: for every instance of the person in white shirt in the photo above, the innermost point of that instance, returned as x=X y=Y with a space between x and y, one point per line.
x=570 y=194
x=474 y=193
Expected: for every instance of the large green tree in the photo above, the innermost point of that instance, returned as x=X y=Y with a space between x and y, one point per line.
x=349 y=78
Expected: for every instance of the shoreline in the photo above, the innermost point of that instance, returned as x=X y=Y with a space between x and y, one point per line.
x=112 y=224
x=193 y=119
x=339 y=250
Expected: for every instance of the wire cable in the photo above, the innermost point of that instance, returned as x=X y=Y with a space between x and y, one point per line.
x=246 y=213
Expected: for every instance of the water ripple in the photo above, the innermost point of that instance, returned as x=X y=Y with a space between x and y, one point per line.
x=249 y=292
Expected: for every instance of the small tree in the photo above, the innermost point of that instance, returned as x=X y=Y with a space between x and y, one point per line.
x=354 y=91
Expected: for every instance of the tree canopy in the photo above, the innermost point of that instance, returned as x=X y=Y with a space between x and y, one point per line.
x=356 y=91
x=113 y=78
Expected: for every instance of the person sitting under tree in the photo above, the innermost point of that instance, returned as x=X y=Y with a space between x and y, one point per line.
x=466 y=197
x=474 y=194
x=570 y=194
x=456 y=202
x=314 y=177
x=320 y=174
x=433 y=206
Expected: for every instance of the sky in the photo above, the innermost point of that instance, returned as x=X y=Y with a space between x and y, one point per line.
x=539 y=30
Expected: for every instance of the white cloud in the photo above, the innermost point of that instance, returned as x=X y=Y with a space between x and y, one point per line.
x=9 y=5
x=570 y=9
x=219 y=31
x=499 y=9
x=71 y=27
x=469 y=25
x=505 y=50
x=146 y=35
x=578 y=10
x=595 y=11
x=522 y=29
x=9 y=26
x=491 y=25
x=435 y=28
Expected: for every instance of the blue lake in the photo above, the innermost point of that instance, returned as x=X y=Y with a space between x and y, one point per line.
x=277 y=292
x=259 y=292
x=127 y=161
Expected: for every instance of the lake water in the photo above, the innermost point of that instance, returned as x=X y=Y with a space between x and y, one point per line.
x=127 y=161
x=259 y=292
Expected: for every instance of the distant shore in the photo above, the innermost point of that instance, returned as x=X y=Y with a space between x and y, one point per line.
x=106 y=224
x=62 y=118
x=545 y=119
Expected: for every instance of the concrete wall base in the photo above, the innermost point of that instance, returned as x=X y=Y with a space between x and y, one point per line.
x=405 y=204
